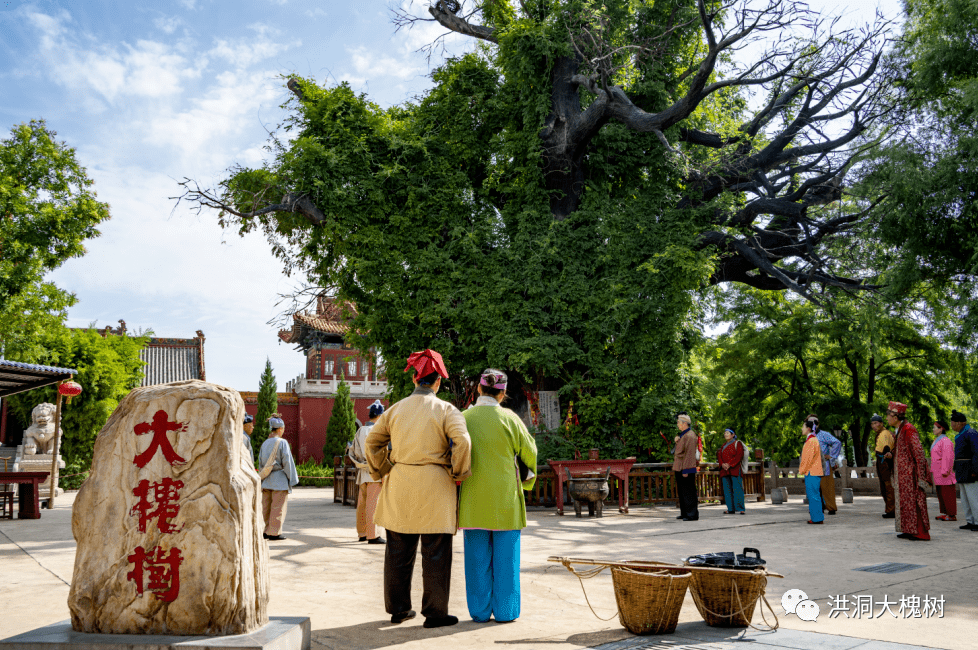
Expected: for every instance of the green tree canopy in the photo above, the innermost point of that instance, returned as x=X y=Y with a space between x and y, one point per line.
x=47 y=210
x=929 y=177
x=784 y=358
x=108 y=368
x=552 y=203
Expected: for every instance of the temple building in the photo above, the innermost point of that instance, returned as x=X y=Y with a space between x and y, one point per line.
x=166 y=359
x=307 y=404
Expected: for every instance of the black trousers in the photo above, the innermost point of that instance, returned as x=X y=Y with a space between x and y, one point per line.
x=686 y=491
x=436 y=571
x=885 y=472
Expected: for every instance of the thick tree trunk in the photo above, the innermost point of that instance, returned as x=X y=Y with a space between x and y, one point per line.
x=566 y=136
x=870 y=397
x=858 y=439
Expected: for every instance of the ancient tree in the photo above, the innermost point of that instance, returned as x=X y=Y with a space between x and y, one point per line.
x=821 y=92
x=555 y=201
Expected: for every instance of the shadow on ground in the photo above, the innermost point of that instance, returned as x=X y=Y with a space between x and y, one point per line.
x=382 y=634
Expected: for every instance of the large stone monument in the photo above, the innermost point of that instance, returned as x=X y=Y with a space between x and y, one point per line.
x=168 y=523
x=36 y=452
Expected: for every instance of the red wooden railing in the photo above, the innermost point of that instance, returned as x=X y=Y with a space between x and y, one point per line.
x=647 y=483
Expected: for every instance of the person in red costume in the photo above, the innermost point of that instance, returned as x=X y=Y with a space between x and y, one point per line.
x=910 y=477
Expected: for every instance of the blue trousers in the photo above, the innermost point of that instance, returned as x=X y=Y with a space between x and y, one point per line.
x=812 y=484
x=733 y=493
x=492 y=574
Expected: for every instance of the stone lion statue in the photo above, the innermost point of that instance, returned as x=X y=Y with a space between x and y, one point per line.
x=39 y=437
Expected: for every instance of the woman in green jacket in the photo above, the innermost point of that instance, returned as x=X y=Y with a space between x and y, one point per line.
x=492 y=510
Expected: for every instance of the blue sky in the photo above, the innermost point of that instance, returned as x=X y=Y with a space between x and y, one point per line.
x=152 y=92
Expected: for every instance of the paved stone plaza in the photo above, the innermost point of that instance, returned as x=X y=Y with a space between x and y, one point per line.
x=323 y=573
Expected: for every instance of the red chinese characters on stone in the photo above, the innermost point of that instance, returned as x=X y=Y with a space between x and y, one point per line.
x=159 y=428
x=164 y=572
x=157 y=571
x=163 y=507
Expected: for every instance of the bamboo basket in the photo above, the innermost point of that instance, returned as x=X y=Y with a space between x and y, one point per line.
x=727 y=597
x=649 y=598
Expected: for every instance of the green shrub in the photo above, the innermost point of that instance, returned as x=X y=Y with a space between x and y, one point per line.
x=66 y=478
x=324 y=475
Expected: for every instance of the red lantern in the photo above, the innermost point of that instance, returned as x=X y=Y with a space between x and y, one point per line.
x=69 y=389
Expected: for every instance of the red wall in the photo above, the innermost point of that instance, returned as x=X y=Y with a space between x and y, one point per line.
x=314 y=413
x=290 y=415
x=305 y=423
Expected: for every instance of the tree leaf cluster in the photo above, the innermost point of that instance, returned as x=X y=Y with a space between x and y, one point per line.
x=342 y=426
x=108 y=368
x=47 y=210
x=929 y=176
x=783 y=359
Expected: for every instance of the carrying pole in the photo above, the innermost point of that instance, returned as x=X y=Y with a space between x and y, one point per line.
x=651 y=565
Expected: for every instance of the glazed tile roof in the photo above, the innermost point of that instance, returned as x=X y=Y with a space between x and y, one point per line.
x=329 y=318
x=172 y=360
x=16 y=377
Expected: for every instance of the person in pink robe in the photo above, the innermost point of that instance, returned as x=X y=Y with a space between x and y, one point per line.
x=942 y=469
x=910 y=476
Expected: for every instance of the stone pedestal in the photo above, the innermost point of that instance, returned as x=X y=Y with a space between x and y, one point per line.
x=40 y=463
x=281 y=633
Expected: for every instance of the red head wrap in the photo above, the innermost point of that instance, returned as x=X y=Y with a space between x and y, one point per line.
x=898 y=408
x=427 y=362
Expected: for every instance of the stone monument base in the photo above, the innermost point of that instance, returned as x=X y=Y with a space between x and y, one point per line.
x=281 y=633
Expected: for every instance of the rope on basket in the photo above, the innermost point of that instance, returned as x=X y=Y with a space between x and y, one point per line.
x=590 y=573
x=763 y=598
x=662 y=611
x=735 y=592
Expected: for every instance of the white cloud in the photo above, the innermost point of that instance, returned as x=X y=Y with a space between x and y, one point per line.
x=357 y=83
x=245 y=53
x=188 y=98
x=172 y=273
x=370 y=64
x=146 y=69
x=199 y=135
x=167 y=25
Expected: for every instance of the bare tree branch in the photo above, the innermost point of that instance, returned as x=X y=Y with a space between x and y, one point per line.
x=442 y=12
x=290 y=202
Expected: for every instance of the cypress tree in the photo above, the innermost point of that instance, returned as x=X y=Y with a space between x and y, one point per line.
x=342 y=424
x=267 y=405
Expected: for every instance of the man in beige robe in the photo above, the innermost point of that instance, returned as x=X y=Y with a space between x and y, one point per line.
x=429 y=451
